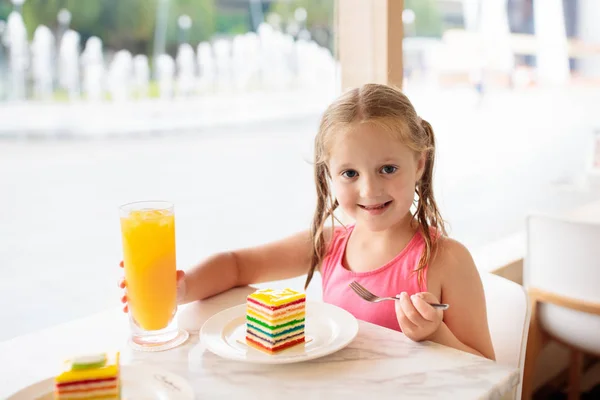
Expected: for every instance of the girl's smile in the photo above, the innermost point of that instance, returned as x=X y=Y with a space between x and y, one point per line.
x=376 y=209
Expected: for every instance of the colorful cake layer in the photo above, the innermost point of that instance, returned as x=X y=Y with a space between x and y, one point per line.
x=275 y=319
x=89 y=377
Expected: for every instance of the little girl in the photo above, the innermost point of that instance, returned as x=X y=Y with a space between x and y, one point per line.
x=374 y=159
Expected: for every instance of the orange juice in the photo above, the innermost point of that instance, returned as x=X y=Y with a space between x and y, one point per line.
x=150 y=269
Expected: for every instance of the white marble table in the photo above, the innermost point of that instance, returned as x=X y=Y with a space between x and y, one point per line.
x=379 y=363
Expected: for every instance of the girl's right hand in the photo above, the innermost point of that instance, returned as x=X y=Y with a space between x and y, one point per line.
x=180 y=288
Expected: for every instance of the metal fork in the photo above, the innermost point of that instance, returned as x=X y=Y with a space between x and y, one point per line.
x=368 y=296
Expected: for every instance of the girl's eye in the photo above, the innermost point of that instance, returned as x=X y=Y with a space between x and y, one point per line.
x=389 y=169
x=350 y=174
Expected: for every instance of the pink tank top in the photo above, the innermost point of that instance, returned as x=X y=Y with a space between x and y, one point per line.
x=393 y=278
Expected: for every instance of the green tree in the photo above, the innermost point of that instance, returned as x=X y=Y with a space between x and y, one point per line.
x=234 y=22
x=203 y=15
x=5 y=8
x=44 y=12
x=122 y=24
x=318 y=12
x=319 y=17
x=126 y=24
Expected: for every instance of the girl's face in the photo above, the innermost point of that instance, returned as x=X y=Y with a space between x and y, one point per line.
x=374 y=176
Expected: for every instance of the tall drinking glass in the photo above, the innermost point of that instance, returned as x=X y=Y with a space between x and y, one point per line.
x=148 y=233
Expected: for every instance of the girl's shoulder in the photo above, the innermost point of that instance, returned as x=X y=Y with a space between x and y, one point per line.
x=450 y=250
x=452 y=259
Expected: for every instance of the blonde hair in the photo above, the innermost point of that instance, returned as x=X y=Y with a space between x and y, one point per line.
x=391 y=110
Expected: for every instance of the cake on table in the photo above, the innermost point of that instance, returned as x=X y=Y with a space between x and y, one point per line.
x=275 y=319
x=89 y=377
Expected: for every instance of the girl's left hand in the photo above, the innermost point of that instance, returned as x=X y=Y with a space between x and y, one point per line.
x=417 y=319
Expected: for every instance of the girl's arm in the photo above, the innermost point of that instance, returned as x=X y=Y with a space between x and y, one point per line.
x=465 y=325
x=283 y=259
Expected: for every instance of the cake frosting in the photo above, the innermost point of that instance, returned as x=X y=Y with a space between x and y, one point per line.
x=275 y=319
x=89 y=377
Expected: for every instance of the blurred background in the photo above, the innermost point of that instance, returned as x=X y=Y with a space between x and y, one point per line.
x=213 y=105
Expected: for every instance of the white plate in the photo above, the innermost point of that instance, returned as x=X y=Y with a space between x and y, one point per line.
x=137 y=382
x=328 y=329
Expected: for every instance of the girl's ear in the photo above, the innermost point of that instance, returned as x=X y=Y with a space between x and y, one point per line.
x=421 y=163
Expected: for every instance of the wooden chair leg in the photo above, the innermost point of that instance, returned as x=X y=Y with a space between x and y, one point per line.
x=535 y=343
x=575 y=374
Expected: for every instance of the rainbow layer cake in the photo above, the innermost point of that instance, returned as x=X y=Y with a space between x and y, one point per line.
x=275 y=319
x=89 y=377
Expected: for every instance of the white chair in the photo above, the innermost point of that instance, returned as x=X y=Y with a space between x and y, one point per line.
x=508 y=320
x=562 y=276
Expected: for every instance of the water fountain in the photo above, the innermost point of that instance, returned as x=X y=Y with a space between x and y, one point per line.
x=42 y=58
x=262 y=67
x=16 y=41
x=120 y=76
x=283 y=55
x=165 y=68
x=3 y=57
x=68 y=64
x=265 y=34
x=141 y=75
x=206 y=67
x=245 y=54
x=266 y=60
x=92 y=61
x=278 y=58
x=306 y=65
x=186 y=70
x=222 y=52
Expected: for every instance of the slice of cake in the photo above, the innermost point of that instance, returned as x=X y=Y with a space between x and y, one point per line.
x=275 y=319
x=89 y=377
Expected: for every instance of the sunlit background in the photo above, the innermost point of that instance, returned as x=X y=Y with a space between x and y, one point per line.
x=213 y=105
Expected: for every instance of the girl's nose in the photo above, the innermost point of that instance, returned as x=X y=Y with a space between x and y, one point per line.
x=370 y=187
